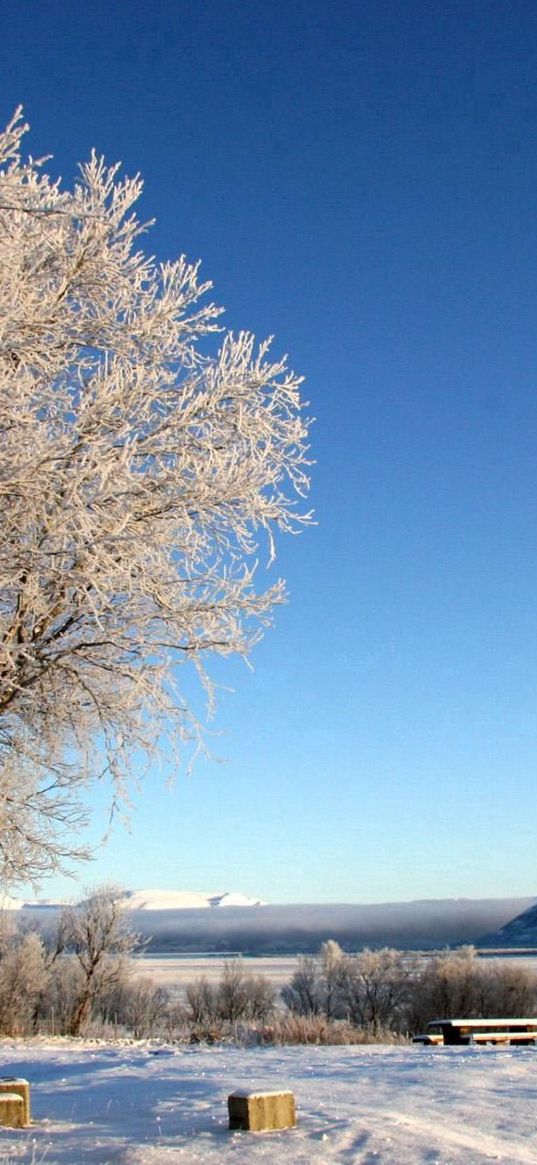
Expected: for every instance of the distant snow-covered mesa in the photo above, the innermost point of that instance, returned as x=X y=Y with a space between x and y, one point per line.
x=184 y=900
x=148 y=900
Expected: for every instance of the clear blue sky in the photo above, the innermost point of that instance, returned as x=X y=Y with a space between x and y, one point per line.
x=361 y=180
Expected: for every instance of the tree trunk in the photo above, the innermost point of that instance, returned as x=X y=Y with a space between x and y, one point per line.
x=81 y=1014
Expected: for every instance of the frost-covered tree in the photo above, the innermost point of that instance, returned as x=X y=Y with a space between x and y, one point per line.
x=333 y=962
x=98 y=934
x=375 y=987
x=304 y=994
x=141 y=459
x=24 y=975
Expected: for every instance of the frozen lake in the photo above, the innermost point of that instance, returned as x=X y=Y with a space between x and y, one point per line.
x=175 y=971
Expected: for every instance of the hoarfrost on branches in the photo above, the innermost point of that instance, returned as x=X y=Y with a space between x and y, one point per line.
x=137 y=473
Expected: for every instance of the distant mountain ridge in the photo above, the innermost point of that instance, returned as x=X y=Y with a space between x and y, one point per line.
x=521 y=931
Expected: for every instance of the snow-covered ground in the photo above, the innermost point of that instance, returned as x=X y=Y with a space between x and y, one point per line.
x=147 y=1104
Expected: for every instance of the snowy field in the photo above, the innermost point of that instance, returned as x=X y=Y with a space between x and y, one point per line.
x=147 y=1104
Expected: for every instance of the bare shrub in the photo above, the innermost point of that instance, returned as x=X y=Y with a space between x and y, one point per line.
x=510 y=990
x=140 y=1006
x=200 y=1002
x=375 y=987
x=261 y=998
x=305 y=994
x=458 y=983
x=147 y=1008
x=316 y=1029
x=447 y=986
x=237 y=997
x=232 y=995
x=243 y=996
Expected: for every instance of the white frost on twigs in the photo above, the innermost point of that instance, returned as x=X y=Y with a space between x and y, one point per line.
x=137 y=473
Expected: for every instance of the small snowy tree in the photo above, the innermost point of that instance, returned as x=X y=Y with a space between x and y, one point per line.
x=138 y=467
x=201 y=1001
x=315 y=988
x=333 y=961
x=98 y=934
x=24 y=974
x=448 y=986
x=304 y=995
x=232 y=994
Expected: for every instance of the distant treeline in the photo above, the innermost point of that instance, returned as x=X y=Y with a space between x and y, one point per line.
x=79 y=980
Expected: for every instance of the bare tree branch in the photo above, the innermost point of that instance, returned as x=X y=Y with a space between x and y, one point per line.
x=138 y=472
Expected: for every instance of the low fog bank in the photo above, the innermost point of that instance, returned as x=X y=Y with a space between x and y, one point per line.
x=290 y=929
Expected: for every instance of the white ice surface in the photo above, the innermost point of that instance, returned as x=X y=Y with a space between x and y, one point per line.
x=147 y=1104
